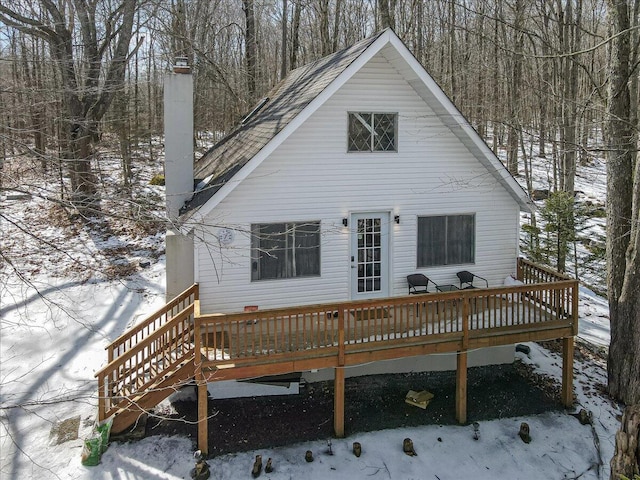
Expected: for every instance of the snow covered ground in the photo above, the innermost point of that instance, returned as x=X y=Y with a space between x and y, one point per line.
x=53 y=341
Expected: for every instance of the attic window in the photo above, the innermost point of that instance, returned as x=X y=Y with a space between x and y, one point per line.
x=373 y=132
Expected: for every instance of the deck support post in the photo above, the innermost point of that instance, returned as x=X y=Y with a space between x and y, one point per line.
x=203 y=427
x=201 y=384
x=338 y=402
x=567 y=371
x=461 y=388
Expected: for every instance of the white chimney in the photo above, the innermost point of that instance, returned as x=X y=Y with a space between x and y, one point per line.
x=178 y=174
x=178 y=137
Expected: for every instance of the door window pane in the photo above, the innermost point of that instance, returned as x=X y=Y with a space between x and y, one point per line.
x=369 y=231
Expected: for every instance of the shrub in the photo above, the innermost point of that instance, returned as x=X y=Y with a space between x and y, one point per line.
x=158 y=179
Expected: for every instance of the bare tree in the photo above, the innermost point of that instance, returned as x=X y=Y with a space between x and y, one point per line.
x=623 y=202
x=251 y=47
x=386 y=13
x=283 y=60
x=322 y=11
x=91 y=61
x=569 y=29
x=295 y=34
x=514 y=85
x=518 y=71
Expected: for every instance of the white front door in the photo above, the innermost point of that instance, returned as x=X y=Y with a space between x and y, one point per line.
x=369 y=255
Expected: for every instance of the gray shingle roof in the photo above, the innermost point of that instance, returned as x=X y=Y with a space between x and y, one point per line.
x=285 y=102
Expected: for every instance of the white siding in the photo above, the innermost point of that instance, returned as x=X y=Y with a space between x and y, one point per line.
x=312 y=177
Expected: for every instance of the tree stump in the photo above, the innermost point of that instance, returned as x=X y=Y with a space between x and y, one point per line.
x=626 y=457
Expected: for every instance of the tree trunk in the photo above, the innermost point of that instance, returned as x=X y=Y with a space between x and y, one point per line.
x=336 y=26
x=123 y=130
x=16 y=100
x=570 y=40
x=179 y=37
x=626 y=457
x=3 y=136
x=544 y=82
x=495 y=75
x=283 y=59
x=418 y=9
x=250 y=48
x=295 y=34
x=623 y=205
x=385 y=13
x=451 y=55
x=514 y=90
x=33 y=81
x=325 y=40
x=83 y=181
x=480 y=101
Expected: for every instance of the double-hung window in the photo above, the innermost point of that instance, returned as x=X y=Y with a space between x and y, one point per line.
x=373 y=132
x=446 y=240
x=285 y=250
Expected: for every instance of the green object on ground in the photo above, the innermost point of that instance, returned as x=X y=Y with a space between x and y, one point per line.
x=104 y=430
x=92 y=451
x=97 y=444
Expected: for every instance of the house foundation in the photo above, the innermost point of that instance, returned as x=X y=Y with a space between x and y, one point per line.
x=424 y=363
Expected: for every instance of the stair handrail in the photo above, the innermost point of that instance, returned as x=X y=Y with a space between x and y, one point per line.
x=152 y=322
x=112 y=373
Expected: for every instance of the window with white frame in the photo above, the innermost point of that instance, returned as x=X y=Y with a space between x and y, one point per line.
x=446 y=240
x=373 y=132
x=285 y=250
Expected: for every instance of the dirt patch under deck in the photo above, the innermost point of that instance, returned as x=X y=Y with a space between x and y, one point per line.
x=371 y=403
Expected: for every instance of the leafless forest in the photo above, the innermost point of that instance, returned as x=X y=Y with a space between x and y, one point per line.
x=527 y=72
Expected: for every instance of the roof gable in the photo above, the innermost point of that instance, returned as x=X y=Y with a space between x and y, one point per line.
x=403 y=60
x=304 y=90
x=285 y=102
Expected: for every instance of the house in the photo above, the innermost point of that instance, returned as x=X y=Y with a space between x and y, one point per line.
x=291 y=240
x=353 y=172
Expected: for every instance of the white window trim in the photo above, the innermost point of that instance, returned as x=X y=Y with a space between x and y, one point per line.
x=372 y=132
x=252 y=249
x=475 y=226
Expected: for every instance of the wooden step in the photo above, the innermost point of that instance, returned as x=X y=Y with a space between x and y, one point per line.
x=142 y=402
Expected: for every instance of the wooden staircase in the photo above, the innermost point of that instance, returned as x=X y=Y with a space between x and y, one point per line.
x=148 y=362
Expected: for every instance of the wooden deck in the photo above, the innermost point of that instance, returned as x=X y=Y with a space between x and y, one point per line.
x=180 y=339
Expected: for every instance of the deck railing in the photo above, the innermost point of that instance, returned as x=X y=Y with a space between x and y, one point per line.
x=542 y=305
x=157 y=319
x=457 y=318
x=529 y=272
x=282 y=331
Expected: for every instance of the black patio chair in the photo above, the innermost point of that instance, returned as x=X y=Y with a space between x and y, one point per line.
x=419 y=283
x=467 y=279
